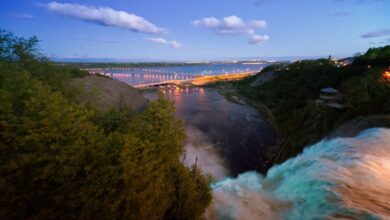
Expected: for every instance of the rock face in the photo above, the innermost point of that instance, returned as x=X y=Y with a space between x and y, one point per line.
x=357 y=125
x=263 y=78
x=105 y=93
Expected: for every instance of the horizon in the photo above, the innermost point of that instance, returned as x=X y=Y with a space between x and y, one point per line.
x=150 y=60
x=199 y=30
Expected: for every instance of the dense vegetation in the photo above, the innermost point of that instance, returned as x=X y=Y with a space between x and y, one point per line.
x=63 y=160
x=375 y=56
x=291 y=96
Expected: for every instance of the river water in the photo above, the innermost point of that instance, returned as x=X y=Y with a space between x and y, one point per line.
x=225 y=138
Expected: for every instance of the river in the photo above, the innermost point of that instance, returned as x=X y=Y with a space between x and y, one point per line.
x=225 y=138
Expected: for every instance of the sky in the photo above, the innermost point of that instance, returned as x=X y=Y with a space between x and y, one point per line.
x=154 y=30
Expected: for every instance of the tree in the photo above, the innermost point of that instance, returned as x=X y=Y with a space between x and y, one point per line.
x=61 y=160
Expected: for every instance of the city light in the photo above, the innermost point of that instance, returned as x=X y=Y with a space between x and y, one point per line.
x=386 y=75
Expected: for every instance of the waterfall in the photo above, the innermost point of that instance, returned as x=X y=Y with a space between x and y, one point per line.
x=341 y=178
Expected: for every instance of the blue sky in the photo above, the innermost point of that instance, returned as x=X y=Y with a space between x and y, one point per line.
x=199 y=29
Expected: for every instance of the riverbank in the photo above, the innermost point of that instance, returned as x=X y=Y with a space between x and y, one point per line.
x=229 y=92
x=288 y=99
x=218 y=78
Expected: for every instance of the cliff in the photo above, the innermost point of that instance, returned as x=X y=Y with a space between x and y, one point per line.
x=292 y=95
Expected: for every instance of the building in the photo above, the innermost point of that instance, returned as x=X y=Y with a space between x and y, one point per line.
x=330 y=97
x=386 y=75
x=344 y=62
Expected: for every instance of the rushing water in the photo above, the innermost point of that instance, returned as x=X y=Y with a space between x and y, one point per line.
x=136 y=76
x=226 y=138
x=343 y=178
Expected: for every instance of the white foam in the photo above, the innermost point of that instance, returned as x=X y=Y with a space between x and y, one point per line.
x=338 y=178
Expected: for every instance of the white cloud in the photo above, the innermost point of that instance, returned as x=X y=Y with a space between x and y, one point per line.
x=257 y=39
x=173 y=44
x=258 y=24
x=207 y=22
x=233 y=22
x=233 y=25
x=105 y=16
x=230 y=25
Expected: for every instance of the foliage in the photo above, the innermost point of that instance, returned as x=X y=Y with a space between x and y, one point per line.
x=25 y=53
x=61 y=160
x=291 y=98
x=13 y=48
x=375 y=56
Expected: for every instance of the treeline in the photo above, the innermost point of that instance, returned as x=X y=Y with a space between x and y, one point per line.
x=291 y=97
x=374 y=56
x=63 y=160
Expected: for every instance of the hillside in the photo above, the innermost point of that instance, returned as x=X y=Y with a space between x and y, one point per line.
x=105 y=93
x=292 y=97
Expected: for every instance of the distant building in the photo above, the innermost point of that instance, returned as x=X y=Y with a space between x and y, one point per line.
x=344 y=62
x=330 y=97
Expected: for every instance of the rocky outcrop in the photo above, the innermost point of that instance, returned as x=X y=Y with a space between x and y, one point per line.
x=105 y=93
x=357 y=125
x=263 y=78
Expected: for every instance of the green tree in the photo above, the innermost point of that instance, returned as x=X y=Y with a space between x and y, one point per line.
x=61 y=160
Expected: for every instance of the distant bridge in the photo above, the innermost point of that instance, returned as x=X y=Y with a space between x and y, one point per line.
x=171 y=78
x=157 y=84
x=198 y=80
x=133 y=69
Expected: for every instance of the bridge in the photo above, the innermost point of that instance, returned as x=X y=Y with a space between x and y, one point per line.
x=133 y=70
x=170 y=78
x=157 y=84
x=197 y=81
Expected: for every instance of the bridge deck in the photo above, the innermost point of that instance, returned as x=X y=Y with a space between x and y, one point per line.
x=199 y=80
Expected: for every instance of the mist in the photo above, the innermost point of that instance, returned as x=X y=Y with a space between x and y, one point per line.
x=201 y=151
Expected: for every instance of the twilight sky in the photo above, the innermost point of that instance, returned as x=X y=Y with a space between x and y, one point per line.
x=199 y=29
